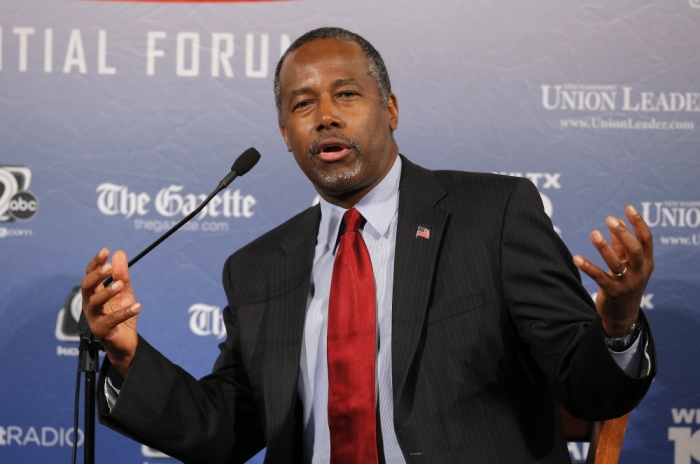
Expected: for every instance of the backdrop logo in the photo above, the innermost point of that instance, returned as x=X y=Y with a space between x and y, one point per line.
x=680 y=218
x=67 y=322
x=195 y=53
x=686 y=441
x=610 y=98
x=16 y=202
x=13 y=435
x=153 y=453
x=206 y=320
x=680 y=214
x=5 y=232
x=171 y=202
x=543 y=181
x=694 y=3
x=578 y=452
x=646 y=302
x=597 y=100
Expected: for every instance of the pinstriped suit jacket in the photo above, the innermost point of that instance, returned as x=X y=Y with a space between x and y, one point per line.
x=491 y=330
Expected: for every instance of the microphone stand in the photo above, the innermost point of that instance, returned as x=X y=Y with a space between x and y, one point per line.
x=89 y=348
x=89 y=364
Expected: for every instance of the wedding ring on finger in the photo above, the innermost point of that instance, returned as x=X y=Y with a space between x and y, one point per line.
x=619 y=274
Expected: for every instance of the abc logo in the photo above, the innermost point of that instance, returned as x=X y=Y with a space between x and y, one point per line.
x=23 y=205
x=16 y=202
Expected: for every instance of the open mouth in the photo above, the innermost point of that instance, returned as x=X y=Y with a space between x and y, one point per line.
x=332 y=151
x=333 y=147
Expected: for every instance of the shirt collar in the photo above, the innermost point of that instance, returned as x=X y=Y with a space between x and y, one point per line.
x=377 y=207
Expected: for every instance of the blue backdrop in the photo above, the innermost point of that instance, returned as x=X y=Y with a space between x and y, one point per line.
x=115 y=117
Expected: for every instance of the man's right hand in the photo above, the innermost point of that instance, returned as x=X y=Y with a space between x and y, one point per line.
x=111 y=311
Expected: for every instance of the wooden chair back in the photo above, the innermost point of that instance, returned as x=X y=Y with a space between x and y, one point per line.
x=605 y=437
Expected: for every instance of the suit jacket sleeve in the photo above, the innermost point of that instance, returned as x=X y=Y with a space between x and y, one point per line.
x=556 y=317
x=211 y=420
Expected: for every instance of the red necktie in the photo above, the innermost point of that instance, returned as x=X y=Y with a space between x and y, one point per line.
x=351 y=348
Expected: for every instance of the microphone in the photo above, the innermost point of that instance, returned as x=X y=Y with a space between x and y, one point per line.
x=241 y=166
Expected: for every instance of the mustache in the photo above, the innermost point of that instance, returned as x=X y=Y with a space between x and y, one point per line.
x=313 y=148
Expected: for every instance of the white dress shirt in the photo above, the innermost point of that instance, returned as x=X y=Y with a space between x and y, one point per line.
x=380 y=209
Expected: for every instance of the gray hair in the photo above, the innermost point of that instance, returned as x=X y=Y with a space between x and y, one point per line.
x=377 y=69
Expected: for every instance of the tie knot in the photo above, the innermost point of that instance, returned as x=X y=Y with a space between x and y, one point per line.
x=352 y=220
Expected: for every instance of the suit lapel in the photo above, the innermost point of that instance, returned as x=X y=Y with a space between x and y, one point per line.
x=288 y=275
x=414 y=265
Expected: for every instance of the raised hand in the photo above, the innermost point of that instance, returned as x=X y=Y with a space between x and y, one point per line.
x=630 y=259
x=111 y=311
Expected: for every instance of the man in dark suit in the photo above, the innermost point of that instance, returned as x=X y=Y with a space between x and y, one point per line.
x=483 y=326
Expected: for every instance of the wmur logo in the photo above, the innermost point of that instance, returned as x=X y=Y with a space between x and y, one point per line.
x=67 y=323
x=686 y=441
x=14 y=435
x=207 y=320
x=16 y=202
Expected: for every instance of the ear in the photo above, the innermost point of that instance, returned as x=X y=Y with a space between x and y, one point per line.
x=283 y=131
x=392 y=106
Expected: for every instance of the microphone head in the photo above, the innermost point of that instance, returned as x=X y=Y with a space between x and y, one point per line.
x=246 y=161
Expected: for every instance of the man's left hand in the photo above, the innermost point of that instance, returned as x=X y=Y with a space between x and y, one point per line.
x=630 y=259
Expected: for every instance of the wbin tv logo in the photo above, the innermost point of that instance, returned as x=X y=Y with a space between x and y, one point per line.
x=17 y=203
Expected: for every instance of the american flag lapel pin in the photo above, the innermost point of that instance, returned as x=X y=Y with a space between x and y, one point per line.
x=423 y=232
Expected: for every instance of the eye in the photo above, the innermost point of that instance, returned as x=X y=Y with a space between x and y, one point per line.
x=347 y=94
x=302 y=104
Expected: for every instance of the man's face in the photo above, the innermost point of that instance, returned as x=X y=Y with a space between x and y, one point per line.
x=333 y=119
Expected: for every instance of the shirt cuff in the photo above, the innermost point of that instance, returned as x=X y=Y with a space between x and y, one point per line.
x=113 y=385
x=630 y=359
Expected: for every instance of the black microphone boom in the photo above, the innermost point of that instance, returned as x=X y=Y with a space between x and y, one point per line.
x=241 y=166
